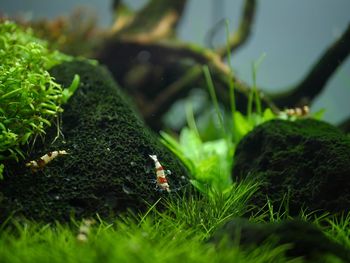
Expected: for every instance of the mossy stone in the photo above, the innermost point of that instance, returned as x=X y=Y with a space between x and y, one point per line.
x=303 y=239
x=107 y=169
x=306 y=161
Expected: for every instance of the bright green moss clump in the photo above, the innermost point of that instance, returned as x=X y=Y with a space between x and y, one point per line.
x=29 y=96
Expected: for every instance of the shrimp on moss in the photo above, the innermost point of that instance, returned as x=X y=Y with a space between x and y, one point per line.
x=40 y=163
x=162 y=181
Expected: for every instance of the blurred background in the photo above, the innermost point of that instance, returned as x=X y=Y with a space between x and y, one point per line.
x=292 y=34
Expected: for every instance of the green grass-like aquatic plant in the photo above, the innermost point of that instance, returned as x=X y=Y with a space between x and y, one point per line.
x=204 y=214
x=157 y=237
x=29 y=96
x=210 y=162
x=178 y=234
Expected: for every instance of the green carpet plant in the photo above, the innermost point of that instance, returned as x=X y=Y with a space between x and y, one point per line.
x=178 y=233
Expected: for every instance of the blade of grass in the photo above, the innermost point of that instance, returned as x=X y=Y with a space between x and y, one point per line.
x=212 y=93
x=190 y=118
x=255 y=67
x=231 y=82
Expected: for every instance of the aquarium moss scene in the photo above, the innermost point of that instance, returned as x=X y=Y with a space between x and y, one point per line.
x=127 y=142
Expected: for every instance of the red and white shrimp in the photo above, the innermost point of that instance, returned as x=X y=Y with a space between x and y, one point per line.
x=298 y=112
x=40 y=163
x=162 y=181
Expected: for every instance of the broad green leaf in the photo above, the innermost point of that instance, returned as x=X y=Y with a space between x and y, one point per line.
x=318 y=115
x=242 y=124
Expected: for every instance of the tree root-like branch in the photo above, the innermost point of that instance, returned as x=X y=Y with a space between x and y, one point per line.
x=320 y=73
x=244 y=30
x=164 y=52
x=158 y=19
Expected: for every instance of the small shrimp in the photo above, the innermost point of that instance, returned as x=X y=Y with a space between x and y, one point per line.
x=84 y=230
x=162 y=181
x=295 y=112
x=40 y=163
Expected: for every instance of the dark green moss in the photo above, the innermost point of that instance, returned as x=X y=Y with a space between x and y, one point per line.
x=107 y=169
x=304 y=239
x=307 y=160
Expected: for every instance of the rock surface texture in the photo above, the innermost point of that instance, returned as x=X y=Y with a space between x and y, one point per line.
x=303 y=239
x=107 y=169
x=305 y=162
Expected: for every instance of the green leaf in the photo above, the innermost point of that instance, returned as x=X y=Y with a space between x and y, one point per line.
x=318 y=115
x=29 y=97
x=175 y=147
x=268 y=115
x=1 y=171
x=68 y=92
x=26 y=137
x=9 y=94
x=242 y=124
x=190 y=143
x=200 y=186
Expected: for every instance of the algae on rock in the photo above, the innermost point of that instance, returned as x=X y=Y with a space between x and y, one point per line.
x=107 y=169
x=305 y=161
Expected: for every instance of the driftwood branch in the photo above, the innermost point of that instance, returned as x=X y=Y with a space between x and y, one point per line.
x=221 y=74
x=124 y=15
x=162 y=101
x=137 y=48
x=244 y=30
x=317 y=78
x=156 y=69
x=157 y=20
x=183 y=60
x=209 y=38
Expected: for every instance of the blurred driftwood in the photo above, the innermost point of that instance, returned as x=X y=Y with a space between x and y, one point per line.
x=146 y=58
x=243 y=33
x=316 y=79
x=157 y=69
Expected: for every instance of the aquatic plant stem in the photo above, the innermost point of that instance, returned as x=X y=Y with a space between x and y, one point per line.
x=211 y=89
x=243 y=33
x=231 y=82
x=255 y=66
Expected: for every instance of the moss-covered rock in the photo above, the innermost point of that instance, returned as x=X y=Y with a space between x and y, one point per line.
x=107 y=168
x=303 y=239
x=306 y=160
